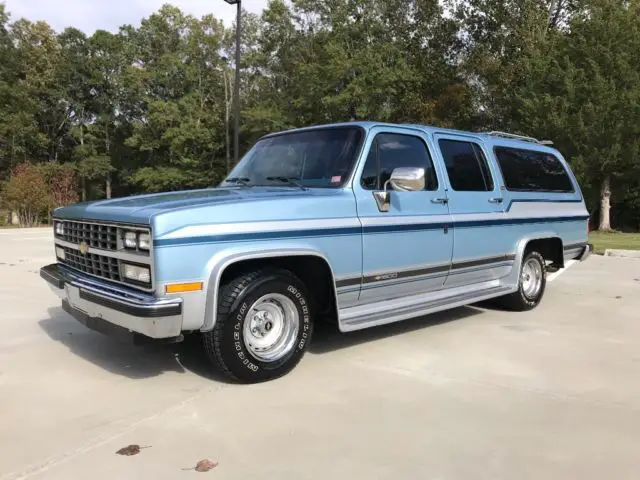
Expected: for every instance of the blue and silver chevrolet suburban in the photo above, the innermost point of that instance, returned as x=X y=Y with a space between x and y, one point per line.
x=365 y=223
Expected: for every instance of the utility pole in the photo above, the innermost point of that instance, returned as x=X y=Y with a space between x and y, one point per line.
x=236 y=87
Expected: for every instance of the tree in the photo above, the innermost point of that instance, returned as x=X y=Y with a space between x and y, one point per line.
x=177 y=129
x=498 y=39
x=27 y=194
x=61 y=183
x=585 y=94
x=149 y=108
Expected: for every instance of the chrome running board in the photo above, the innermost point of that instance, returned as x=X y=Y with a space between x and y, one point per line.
x=389 y=311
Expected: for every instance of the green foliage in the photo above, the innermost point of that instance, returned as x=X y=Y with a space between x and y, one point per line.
x=149 y=108
x=583 y=90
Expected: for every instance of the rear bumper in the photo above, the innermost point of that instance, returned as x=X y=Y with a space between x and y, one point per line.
x=112 y=310
x=586 y=252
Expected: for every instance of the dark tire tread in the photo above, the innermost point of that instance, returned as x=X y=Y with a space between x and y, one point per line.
x=228 y=295
x=232 y=294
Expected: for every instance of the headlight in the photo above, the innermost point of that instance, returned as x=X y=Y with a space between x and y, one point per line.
x=59 y=228
x=60 y=253
x=144 y=241
x=136 y=273
x=137 y=240
x=130 y=240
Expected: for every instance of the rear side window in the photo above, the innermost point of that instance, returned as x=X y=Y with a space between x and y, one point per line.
x=466 y=166
x=390 y=151
x=531 y=171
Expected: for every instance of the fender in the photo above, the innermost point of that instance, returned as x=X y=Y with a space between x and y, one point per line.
x=514 y=277
x=223 y=259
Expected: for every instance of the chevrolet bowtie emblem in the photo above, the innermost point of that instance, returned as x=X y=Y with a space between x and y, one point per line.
x=84 y=248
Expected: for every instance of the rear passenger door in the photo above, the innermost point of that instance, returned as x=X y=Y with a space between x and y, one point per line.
x=407 y=249
x=481 y=251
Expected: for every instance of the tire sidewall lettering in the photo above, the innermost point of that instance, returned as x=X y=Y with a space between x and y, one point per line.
x=245 y=359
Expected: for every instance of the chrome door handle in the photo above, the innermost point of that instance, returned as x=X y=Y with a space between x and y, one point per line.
x=496 y=200
x=440 y=200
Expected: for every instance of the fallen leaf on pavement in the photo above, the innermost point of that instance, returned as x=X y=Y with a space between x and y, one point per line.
x=130 y=450
x=203 y=465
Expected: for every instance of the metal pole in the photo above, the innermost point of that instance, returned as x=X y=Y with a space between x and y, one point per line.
x=236 y=141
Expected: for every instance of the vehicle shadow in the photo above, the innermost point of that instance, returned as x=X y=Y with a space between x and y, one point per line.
x=138 y=362
x=124 y=358
x=327 y=337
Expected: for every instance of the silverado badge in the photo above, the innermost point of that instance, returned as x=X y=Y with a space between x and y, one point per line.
x=84 y=248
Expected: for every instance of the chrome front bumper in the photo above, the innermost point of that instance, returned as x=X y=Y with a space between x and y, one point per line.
x=112 y=310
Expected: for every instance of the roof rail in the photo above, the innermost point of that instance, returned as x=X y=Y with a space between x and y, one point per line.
x=518 y=137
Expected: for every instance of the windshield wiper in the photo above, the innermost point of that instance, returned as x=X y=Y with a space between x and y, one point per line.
x=240 y=180
x=289 y=180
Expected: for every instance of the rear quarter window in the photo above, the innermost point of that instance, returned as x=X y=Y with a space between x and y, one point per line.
x=532 y=171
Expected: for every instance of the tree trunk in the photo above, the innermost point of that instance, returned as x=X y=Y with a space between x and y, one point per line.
x=84 y=189
x=108 y=186
x=605 y=204
x=554 y=11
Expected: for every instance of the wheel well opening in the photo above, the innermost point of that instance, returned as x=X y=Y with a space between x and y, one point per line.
x=549 y=248
x=313 y=271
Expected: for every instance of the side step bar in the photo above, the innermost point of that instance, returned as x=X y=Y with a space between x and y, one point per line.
x=390 y=311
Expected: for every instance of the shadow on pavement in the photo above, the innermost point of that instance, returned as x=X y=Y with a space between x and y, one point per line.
x=147 y=361
x=124 y=358
x=327 y=337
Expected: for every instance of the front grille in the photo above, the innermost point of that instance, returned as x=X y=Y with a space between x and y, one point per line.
x=93 y=264
x=95 y=235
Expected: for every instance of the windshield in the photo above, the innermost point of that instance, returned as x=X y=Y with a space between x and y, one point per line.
x=318 y=158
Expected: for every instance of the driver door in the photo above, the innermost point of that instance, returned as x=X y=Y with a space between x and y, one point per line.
x=408 y=248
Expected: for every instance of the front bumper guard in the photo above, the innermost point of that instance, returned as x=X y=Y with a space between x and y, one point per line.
x=112 y=310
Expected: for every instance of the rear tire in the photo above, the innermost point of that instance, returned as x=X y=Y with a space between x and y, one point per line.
x=263 y=326
x=531 y=285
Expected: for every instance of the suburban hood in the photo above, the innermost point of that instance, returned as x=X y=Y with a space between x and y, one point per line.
x=142 y=209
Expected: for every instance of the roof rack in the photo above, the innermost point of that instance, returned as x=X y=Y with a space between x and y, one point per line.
x=518 y=137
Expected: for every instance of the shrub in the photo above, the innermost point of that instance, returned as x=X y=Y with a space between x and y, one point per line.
x=62 y=183
x=27 y=194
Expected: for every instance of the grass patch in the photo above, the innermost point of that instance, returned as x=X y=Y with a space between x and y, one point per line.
x=624 y=241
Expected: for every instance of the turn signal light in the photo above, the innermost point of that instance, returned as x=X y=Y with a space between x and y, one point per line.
x=183 y=287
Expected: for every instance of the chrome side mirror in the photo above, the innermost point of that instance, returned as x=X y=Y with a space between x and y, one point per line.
x=404 y=179
x=407 y=179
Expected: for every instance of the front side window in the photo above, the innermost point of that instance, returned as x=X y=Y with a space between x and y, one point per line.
x=389 y=151
x=532 y=171
x=466 y=166
x=320 y=158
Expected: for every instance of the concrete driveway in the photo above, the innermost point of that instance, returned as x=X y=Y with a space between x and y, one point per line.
x=467 y=394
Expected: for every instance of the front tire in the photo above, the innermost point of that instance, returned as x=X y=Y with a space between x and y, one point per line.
x=531 y=284
x=263 y=326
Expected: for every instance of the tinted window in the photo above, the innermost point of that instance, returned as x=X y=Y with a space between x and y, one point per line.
x=466 y=166
x=526 y=170
x=322 y=157
x=390 y=151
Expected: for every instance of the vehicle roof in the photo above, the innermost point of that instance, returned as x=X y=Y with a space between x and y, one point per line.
x=432 y=129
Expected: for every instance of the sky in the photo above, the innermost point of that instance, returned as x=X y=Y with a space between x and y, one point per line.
x=91 y=15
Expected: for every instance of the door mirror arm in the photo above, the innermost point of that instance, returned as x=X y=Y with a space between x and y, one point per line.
x=403 y=179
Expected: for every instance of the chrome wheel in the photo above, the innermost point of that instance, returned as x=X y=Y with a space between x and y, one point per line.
x=531 y=278
x=270 y=327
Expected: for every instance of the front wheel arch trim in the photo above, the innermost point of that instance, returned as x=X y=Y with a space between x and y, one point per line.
x=219 y=263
